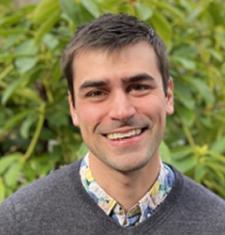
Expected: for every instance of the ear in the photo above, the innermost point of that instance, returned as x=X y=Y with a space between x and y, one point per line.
x=73 y=111
x=170 y=97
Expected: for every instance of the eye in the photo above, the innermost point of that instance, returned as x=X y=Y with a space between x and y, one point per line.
x=139 y=89
x=96 y=94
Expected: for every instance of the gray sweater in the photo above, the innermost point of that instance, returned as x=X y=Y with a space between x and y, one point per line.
x=58 y=205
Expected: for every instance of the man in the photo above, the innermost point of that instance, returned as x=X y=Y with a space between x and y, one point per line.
x=120 y=93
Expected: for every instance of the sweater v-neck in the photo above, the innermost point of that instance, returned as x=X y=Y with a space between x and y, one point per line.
x=161 y=214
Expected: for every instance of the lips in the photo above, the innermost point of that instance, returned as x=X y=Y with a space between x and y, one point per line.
x=125 y=134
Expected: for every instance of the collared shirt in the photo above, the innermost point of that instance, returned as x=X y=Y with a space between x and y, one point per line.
x=142 y=210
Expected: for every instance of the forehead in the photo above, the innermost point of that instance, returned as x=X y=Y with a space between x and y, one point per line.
x=91 y=64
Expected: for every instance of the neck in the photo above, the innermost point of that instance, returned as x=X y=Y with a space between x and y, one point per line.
x=127 y=188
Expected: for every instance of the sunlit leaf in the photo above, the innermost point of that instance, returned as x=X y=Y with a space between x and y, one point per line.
x=2 y=190
x=25 y=64
x=8 y=160
x=143 y=12
x=11 y=177
x=91 y=6
x=44 y=10
x=69 y=8
x=25 y=127
x=50 y=41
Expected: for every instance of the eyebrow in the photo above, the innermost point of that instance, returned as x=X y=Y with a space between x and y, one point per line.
x=138 y=78
x=93 y=83
x=101 y=83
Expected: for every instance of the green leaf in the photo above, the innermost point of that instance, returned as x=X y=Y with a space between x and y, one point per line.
x=91 y=7
x=25 y=127
x=215 y=186
x=2 y=190
x=143 y=12
x=187 y=115
x=13 y=121
x=9 y=20
x=41 y=165
x=50 y=41
x=203 y=90
x=216 y=175
x=44 y=10
x=181 y=152
x=11 y=177
x=216 y=55
x=163 y=27
x=165 y=153
x=200 y=172
x=47 y=25
x=29 y=94
x=24 y=64
x=6 y=71
x=9 y=91
x=13 y=17
x=167 y=7
x=184 y=96
x=69 y=8
x=8 y=160
x=187 y=164
x=216 y=165
x=219 y=145
x=82 y=151
x=11 y=41
x=216 y=12
x=186 y=63
x=27 y=48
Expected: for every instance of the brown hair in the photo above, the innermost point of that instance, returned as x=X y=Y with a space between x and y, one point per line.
x=113 y=32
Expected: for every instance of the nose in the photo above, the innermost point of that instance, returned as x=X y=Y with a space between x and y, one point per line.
x=121 y=107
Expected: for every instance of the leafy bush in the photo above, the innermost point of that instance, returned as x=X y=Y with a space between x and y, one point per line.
x=36 y=133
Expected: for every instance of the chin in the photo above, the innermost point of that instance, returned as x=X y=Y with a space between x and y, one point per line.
x=126 y=167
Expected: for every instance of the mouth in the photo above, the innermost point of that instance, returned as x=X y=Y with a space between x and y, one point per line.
x=125 y=134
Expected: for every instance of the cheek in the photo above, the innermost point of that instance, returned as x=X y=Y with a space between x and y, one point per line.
x=154 y=107
x=90 y=115
x=156 y=112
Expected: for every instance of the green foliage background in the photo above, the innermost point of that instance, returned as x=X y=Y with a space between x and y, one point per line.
x=36 y=134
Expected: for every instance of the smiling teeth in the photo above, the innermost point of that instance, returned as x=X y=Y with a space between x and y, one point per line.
x=115 y=136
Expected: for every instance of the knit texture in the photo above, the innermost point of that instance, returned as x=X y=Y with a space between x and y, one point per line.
x=59 y=205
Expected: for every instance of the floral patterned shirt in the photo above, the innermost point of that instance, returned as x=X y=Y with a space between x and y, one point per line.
x=142 y=210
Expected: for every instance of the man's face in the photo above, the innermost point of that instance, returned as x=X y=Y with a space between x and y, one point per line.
x=120 y=105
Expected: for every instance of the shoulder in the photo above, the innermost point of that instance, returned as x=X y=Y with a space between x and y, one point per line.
x=45 y=196
x=197 y=203
x=191 y=208
x=55 y=181
x=199 y=195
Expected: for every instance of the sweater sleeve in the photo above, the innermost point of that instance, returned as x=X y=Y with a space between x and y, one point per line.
x=7 y=218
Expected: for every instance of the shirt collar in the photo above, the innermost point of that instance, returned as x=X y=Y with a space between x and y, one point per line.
x=142 y=210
